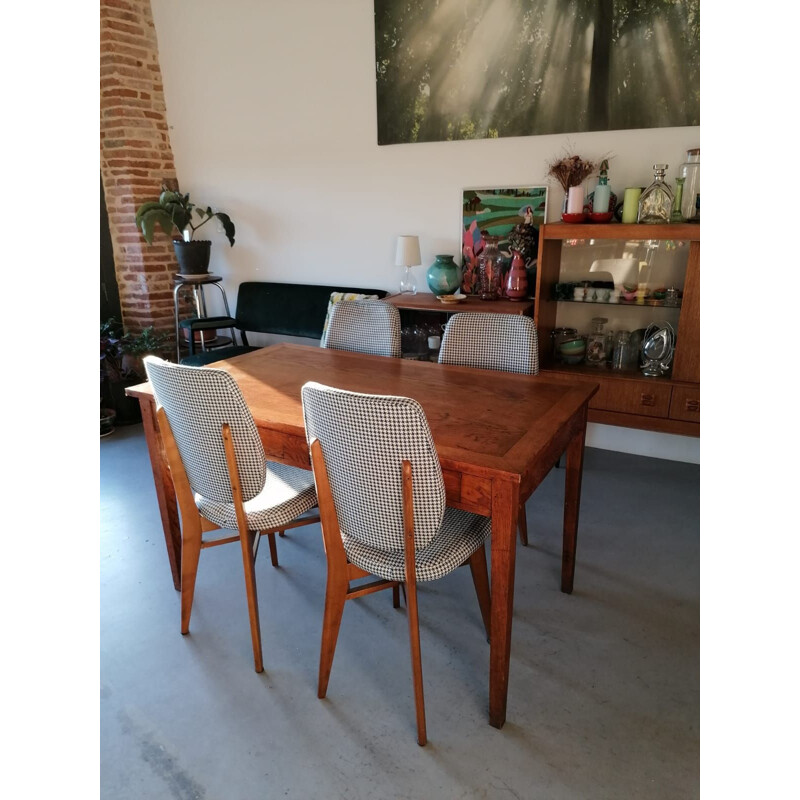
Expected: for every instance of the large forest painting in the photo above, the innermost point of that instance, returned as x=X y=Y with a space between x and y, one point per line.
x=472 y=69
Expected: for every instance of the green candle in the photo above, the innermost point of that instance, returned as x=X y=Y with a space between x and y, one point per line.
x=630 y=204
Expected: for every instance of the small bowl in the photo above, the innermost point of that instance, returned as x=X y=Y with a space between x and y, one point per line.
x=572 y=350
x=581 y=217
x=604 y=217
x=451 y=298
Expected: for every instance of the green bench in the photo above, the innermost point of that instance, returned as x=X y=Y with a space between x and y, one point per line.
x=285 y=309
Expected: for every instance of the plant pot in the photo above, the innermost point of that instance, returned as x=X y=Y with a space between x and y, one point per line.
x=128 y=410
x=107 y=417
x=193 y=257
x=200 y=336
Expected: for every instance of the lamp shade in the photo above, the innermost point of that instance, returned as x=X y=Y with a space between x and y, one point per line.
x=407 y=252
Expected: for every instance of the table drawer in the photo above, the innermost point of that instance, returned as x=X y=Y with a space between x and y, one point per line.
x=685 y=403
x=633 y=397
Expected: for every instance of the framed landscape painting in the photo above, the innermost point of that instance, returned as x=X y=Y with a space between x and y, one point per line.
x=513 y=214
x=474 y=69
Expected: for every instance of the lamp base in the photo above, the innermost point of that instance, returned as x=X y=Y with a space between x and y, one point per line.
x=407 y=284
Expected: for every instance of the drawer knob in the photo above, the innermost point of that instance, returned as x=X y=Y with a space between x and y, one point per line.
x=692 y=405
x=648 y=399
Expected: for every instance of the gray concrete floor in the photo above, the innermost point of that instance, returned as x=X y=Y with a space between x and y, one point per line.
x=604 y=686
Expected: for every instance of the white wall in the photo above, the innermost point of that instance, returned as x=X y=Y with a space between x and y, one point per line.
x=272 y=116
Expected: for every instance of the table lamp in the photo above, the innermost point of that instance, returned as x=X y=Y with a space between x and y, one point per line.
x=407 y=256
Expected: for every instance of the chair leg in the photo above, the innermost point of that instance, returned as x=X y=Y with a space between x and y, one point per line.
x=247 y=538
x=480 y=577
x=395 y=596
x=335 y=596
x=416 y=664
x=190 y=557
x=281 y=534
x=523 y=525
x=273 y=549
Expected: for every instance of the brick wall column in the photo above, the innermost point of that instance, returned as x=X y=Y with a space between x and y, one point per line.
x=135 y=159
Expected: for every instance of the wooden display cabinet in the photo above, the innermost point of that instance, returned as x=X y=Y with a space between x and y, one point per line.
x=669 y=404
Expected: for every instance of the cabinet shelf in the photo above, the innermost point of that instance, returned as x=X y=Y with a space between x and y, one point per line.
x=622 y=303
x=589 y=371
x=686 y=231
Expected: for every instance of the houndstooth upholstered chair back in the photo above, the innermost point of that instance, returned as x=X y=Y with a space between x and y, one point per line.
x=197 y=401
x=364 y=439
x=364 y=326
x=503 y=342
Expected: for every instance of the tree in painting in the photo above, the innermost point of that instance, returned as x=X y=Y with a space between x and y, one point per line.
x=469 y=69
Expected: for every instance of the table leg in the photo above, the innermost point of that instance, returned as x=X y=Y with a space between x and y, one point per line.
x=165 y=491
x=505 y=511
x=572 y=504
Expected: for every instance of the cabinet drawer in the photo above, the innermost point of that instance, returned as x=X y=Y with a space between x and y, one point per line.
x=633 y=397
x=685 y=403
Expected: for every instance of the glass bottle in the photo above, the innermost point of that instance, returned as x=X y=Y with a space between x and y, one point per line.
x=602 y=192
x=690 y=172
x=610 y=336
x=655 y=204
x=677 y=216
x=623 y=351
x=490 y=269
x=596 y=343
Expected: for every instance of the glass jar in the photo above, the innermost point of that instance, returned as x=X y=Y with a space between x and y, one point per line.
x=560 y=335
x=596 y=343
x=690 y=172
x=420 y=339
x=655 y=204
x=490 y=274
x=676 y=215
x=624 y=351
x=609 y=346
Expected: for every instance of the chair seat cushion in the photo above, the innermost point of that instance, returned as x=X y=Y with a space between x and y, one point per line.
x=460 y=535
x=288 y=492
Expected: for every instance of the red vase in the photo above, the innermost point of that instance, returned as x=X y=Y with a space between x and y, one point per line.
x=517 y=280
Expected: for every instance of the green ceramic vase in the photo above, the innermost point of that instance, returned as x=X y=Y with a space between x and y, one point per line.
x=444 y=276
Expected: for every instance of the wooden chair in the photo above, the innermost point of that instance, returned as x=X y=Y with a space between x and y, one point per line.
x=221 y=476
x=382 y=502
x=364 y=326
x=502 y=342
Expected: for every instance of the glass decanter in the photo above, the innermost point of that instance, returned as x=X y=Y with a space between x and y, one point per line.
x=655 y=204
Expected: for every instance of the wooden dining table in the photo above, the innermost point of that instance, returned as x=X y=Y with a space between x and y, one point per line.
x=497 y=435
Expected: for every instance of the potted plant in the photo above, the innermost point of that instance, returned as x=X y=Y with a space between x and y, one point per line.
x=571 y=172
x=174 y=210
x=121 y=366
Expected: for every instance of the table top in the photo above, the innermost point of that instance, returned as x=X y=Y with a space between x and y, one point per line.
x=424 y=301
x=482 y=421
